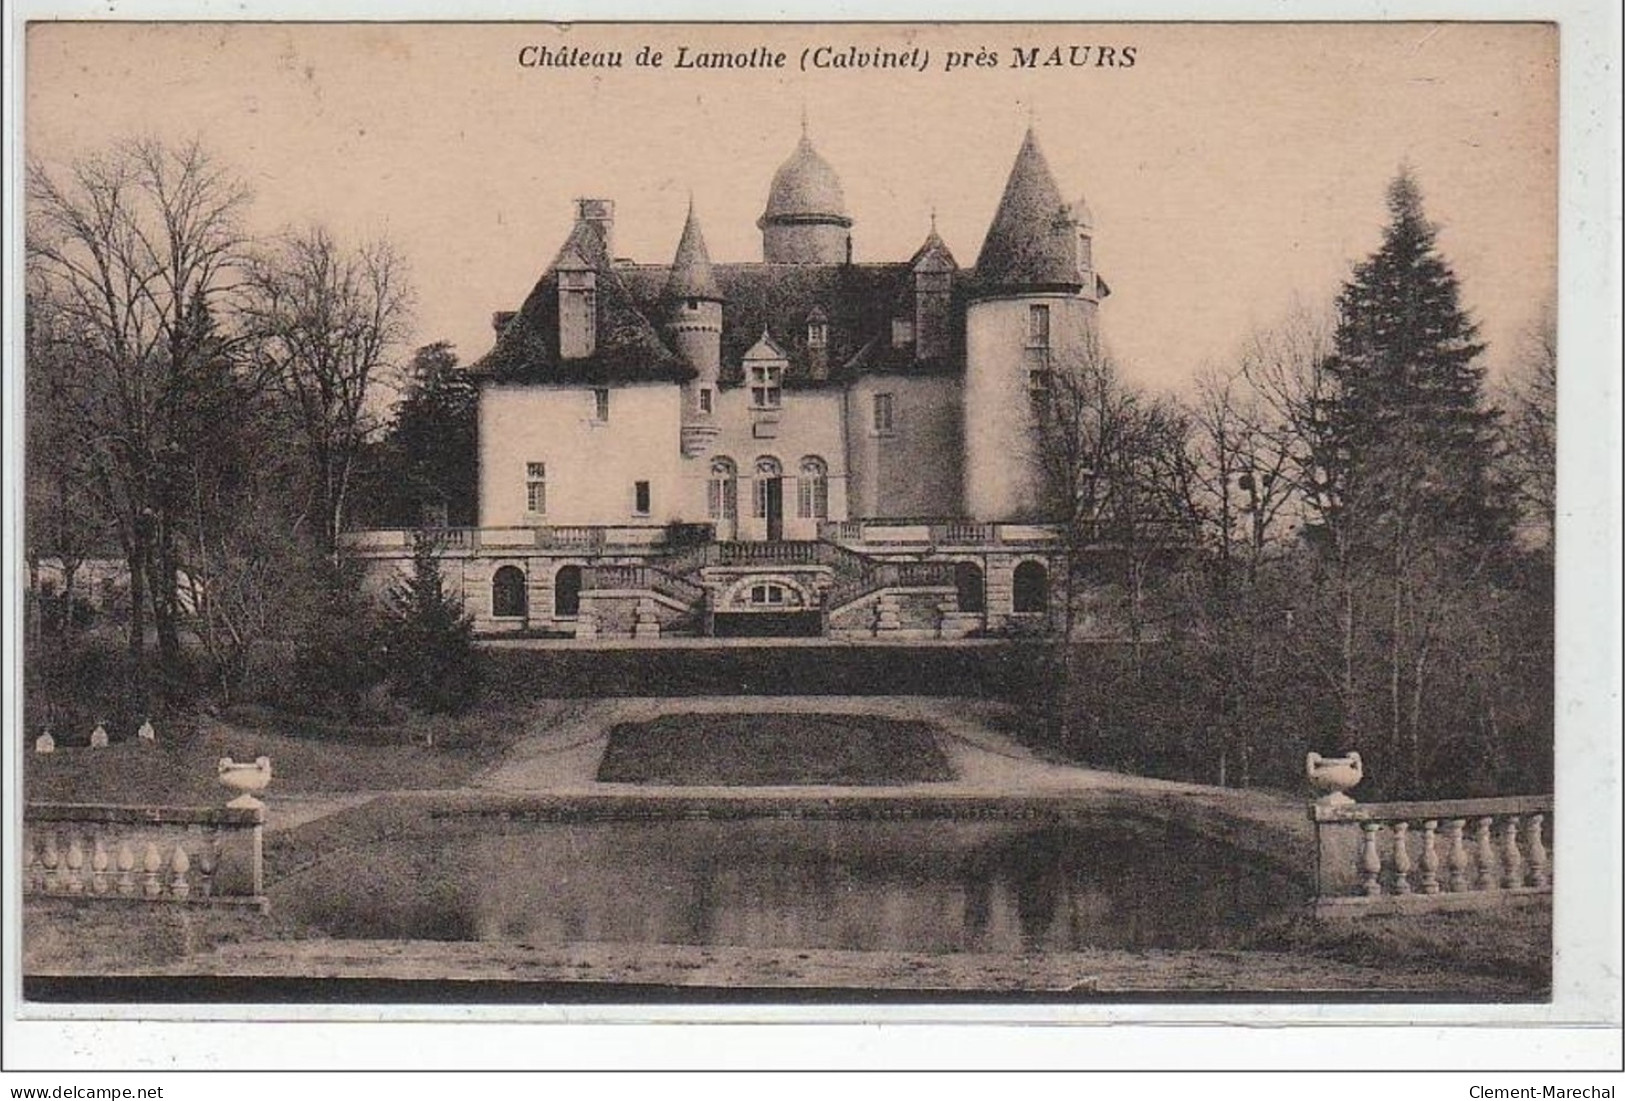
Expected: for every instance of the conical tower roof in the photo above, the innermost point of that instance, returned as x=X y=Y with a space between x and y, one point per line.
x=691 y=275
x=806 y=187
x=1029 y=245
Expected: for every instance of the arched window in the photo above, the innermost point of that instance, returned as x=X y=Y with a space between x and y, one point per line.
x=812 y=489
x=508 y=593
x=567 y=591
x=768 y=472
x=723 y=498
x=1032 y=587
x=968 y=580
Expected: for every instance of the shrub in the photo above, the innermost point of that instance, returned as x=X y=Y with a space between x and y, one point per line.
x=428 y=646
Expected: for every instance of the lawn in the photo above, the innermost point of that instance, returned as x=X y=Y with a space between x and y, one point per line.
x=770 y=749
x=307 y=756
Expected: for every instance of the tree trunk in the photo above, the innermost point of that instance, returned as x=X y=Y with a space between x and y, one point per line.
x=166 y=613
x=1395 y=661
x=1068 y=619
x=136 y=561
x=1345 y=597
x=1419 y=680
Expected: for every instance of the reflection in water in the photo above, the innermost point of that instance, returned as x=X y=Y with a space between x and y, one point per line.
x=915 y=885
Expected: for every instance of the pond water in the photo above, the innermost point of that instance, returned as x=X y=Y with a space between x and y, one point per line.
x=920 y=886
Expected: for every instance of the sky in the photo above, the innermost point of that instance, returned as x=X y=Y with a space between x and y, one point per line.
x=1234 y=171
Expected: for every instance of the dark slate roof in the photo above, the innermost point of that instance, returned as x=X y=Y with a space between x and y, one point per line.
x=933 y=255
x=1030 y=244
x=691 y=275
x=628 y=347
x=857 y=301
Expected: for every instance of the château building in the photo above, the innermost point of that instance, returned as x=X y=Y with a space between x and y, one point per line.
x=803 y=444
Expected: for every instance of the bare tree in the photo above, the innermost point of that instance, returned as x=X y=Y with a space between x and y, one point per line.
x=134 y=247
x=1531 y=427
x=61 y=522
x=1115 y=479
x=328 y=320
x=1245 y=487
x=1286 y=367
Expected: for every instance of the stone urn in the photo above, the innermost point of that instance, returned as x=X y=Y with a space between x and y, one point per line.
x=246 y=778
x=1333 y=776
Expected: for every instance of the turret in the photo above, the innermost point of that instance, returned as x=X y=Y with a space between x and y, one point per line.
x=805 y=221
x=693 y=304
x=1032 y=312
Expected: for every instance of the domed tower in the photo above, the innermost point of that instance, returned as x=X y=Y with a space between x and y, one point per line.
x=694 y=321
x=805 y=221
x=1032 y=312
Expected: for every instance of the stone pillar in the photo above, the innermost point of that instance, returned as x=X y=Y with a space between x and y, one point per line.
x=888 y=617
x=645 y=620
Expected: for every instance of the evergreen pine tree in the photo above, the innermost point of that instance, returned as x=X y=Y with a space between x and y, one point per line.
x=430 y=639
x=1416 y=442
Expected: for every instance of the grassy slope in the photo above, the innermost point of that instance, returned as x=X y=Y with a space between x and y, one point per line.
x=305 y=757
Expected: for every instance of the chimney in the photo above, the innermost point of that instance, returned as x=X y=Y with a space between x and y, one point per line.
x=600 y=213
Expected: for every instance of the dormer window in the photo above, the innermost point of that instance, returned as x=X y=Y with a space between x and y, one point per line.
x=817 y=334
x=764 y=375
x=766 y=383
x=578 y=313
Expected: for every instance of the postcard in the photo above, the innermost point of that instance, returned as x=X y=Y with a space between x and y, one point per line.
x=1032 y=520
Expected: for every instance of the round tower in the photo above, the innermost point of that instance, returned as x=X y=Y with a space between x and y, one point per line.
x=694 y=322
x=1031 y=315
x=805 y=221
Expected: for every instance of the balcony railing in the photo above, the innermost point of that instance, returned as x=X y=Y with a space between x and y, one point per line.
x=1438 y=854
x=783 y=553
x=641 y=579
x=195 y=855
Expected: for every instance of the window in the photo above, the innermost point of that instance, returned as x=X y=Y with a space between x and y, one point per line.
x=600 y=405
x=723 y=498
x=567 y=592
x=640 y=498
x=765 y=382
x=817 y=334
x=1038 y=381
x=1032 y=587
x=705 y=399
x=884 y=419
x=536 y=488
x=1038 y=367
x=1038 y=327
x=812 y=489
x=902 y=332
x=767 y=594
x=508 y=593
x=768 y=471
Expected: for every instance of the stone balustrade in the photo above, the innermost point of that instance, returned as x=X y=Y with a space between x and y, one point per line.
x=95 y=853
x=1432 y=854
